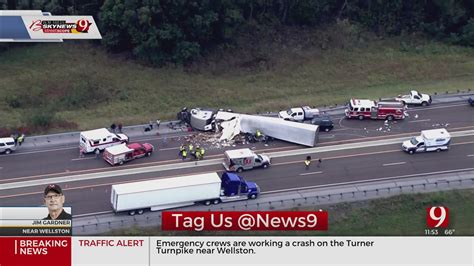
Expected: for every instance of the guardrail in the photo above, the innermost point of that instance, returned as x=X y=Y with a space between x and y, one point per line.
x=298 y=199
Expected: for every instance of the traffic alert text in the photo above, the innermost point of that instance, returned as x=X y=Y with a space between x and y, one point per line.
x=111 y=243
x=244 y=221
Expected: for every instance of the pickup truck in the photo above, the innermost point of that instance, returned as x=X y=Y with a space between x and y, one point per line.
x=415 y=98
x=120 y=154
x=299 y=114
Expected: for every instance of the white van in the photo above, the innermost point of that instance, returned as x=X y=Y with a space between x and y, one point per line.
x=7 y=145
x=99 y=139
x=429 y=140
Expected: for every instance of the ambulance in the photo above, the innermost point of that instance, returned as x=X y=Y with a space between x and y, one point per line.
x=99 y=139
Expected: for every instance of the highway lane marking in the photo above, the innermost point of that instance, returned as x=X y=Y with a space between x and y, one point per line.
x=390 y=164
x=166 y=167
x=470 y=155
x=84 y=158
x=312 y=173
x=217 y=170
x=422 y=120
x=369 y=180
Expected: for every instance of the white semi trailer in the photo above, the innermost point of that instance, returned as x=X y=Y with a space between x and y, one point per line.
x=181 y=191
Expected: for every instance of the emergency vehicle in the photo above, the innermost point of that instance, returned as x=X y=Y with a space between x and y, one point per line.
x=99 y=139
x=362 y=109
x=119 y=154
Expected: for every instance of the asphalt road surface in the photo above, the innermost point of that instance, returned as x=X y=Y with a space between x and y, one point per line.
x=344 y=166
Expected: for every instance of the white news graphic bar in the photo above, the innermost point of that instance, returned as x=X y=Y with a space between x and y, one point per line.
x=37 y=27
x=26 y=213
x=35 y=223
x=348 y=250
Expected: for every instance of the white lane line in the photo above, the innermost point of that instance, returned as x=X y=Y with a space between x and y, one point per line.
x=422 y=120
x=470 y=155
x=312 y=173
x=389 y=164
x=85 y=158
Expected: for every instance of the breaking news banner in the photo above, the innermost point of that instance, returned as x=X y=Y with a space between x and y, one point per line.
x=36 y=26
x=245 y=221
x=33 y=221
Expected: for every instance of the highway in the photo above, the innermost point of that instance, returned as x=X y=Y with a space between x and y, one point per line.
x=29 y=168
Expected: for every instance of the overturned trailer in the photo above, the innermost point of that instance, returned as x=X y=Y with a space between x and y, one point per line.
x=299 y=133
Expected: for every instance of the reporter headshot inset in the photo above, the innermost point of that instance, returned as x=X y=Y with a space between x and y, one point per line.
x=54 y=200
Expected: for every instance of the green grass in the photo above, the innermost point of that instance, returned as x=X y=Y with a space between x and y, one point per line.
x=84 y=87
x=403 y=215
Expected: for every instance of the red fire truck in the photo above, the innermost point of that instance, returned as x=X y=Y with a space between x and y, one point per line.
x=362 y=109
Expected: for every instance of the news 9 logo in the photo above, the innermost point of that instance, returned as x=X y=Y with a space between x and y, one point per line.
x=437 y=217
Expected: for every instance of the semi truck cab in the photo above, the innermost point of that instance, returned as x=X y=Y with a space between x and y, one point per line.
x=235 y=186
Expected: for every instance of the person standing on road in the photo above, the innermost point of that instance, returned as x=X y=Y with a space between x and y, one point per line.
x=201 y=151
x=319 y=162
x=120 y=127
x=97 y=153
x=181 y=149
x=184 y=154
x=307 y=162
x=191 y=148
x=21 y=138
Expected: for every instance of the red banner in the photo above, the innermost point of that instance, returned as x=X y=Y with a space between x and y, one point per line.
x=246 y=221
x=21 y=251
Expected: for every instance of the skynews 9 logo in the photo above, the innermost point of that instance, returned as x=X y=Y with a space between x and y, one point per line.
x=437 y=217
x=61 y=26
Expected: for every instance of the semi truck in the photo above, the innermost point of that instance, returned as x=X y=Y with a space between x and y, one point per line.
x=299 y=133
x=244 y=159
x=160 y=194
x=429 y=140
x=120 y=154
x=299 y=114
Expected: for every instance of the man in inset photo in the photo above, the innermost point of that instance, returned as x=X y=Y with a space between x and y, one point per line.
x=54 y=200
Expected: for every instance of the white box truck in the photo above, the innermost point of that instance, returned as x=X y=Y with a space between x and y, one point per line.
x=175 y=192
x=429 y=140
x=244 y=159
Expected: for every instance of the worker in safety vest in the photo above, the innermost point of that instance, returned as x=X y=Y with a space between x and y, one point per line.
x=307 y=162
x=184 y=154
x=21 y=138
x=201 y=151
x=191 y=148
x=198 y=154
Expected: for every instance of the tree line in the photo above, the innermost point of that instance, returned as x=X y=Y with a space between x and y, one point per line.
x=177 y=31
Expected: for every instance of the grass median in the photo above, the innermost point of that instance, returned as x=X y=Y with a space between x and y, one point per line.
x=403 y=215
